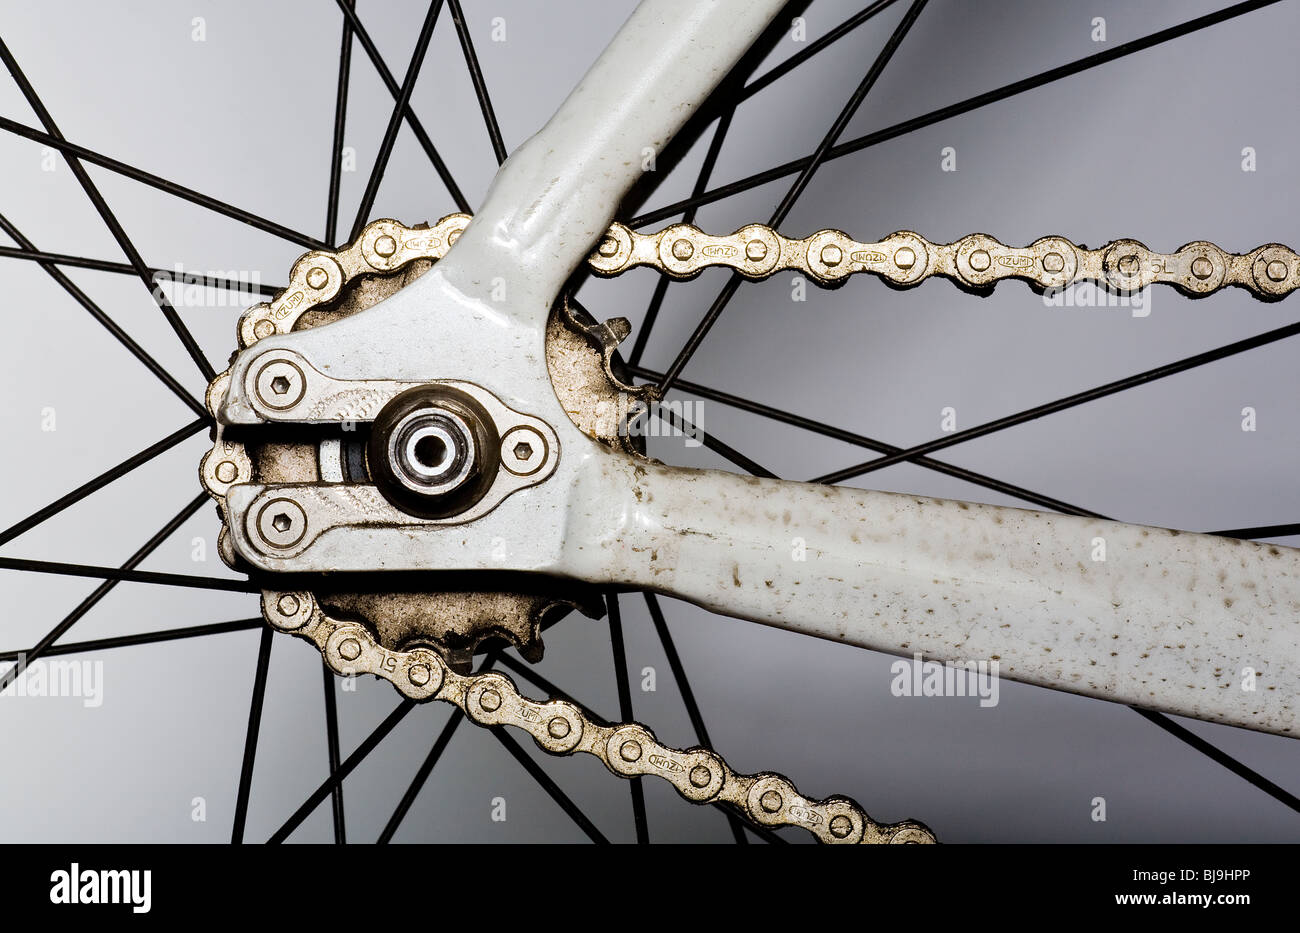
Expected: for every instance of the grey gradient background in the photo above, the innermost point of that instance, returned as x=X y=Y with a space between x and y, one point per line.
x=1147 y=147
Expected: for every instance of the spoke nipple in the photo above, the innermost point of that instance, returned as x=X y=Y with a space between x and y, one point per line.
x=630 y=751
x=980 y=260
x=558 y=727
x=770 y=801
x=700 y=776
x=385 y=246
x=683 y=250
x=350 y=649
x=1053 y=262
x=832 y=255
x=490 y=700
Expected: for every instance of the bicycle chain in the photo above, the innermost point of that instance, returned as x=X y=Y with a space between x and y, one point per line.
x=563 y=728
x=683 y=251
x=975 y=262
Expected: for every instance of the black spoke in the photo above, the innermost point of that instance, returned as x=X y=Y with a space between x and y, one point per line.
x=102 y=480
x=800 y=185
x=98 y=313
x=529 y=674
x=777 y=72
x=144 y=638
x=1220 y=756
x=1262 y=531
x=1069 y=401
x=661 y=287
x=364 y=749
x=476 y=76
x=126 y=574
x=332 y=743
x=687 y=694
x=675 y=420
x=625 y=709
x=162 y=184
x=412 y=120
x=123 y=268
x=395 y=121
x=952 y=110
x=808 y=424
x=421 y=776
x=110 y=219
x=71 y=619
x=250 y=737
x=543 y=779
x=340 y=121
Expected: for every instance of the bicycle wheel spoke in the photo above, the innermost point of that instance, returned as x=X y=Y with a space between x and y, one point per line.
x=953 y=110
x=98 y=313
x=395 y=121
x=250 y=737
x=673 y=419
x=1220 y=756
x=118 y=167
x=123 y=268
x=544 y=780
x=537 y=680
x=110 y=219
x=71 y=619
x=340 y=121
x=661 y=287
x=421 y=776
x=1069 y=401
x=480 y=85
x=102 y=480
x=777 y=72
x=368 y=45
x=800 y=185
x=687 y=694
x=859 y=440
x=144 y=638
x=362 y=751
x=332 y=744
x=1262 y=531
x=127 y=575
x=625 y=710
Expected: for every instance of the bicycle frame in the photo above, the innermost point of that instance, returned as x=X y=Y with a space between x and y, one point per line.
x=1168 y=620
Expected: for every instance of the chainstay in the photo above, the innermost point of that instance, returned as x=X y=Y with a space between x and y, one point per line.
x=563 y=728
